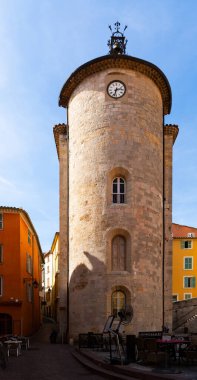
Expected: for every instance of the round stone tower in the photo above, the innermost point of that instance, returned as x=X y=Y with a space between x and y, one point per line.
x=112 y=193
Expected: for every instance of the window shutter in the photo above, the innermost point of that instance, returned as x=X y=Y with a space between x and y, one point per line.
x=1 y=285
x=186 y=282
x=1 y=221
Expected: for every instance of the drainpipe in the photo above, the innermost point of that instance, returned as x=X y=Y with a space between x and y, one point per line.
x=163 y=261
x=67 y=311
x=32 y=288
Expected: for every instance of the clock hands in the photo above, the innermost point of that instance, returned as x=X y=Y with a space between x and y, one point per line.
x=114 y=94
x=120 y=91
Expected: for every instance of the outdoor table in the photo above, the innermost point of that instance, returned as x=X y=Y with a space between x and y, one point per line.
x=13 y=343
x=171 y=344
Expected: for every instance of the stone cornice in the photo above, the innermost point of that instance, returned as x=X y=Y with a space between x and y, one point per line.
x=59 y=129
x=172 y=130
x=28 y=221
x=121 y=62
x=184 y=237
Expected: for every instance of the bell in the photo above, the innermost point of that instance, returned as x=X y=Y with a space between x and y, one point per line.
x=116 y=48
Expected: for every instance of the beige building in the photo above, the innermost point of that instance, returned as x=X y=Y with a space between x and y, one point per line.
x=51 y=274
x=115 y=167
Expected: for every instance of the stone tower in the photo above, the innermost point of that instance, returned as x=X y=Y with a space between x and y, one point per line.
x=115 y=156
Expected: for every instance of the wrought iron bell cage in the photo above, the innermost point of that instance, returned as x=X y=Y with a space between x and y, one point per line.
x=117 y=43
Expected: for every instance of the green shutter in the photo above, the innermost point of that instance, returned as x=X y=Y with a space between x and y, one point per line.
x=188 y=263
x=185 y=282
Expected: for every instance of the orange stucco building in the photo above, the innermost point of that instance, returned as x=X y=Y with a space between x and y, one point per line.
x=21 y=262
x=184 y=285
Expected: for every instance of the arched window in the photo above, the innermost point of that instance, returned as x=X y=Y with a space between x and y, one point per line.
x=118 y=302
x=118 y=190
x=118 y=253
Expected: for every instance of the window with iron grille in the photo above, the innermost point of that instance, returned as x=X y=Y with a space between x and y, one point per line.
x=118 y=190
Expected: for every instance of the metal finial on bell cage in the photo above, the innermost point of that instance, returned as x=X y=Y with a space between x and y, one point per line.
x=117 y=42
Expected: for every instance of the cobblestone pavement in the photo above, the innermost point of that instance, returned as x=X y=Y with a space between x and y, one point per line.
x=45 y=361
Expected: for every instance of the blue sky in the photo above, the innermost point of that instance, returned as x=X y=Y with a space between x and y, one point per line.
x=42 y=43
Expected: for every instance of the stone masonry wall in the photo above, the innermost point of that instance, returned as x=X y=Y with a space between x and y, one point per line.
x=109 y=138
x=63 y=233
x=170 y=134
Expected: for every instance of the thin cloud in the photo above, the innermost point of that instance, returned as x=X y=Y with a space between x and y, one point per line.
x=5 y=182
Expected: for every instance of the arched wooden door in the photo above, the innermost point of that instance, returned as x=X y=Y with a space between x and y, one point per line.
x=5 y=324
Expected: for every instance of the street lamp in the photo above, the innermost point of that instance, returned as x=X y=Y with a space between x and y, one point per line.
x=34 y=282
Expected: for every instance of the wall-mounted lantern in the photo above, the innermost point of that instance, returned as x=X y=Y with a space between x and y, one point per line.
x=34 y=282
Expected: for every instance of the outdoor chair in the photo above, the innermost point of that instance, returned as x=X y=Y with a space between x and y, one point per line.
x=189 y=353
x=148 y=352
x=13 y=348
x=153 y=353
x=140 y=349
x=24 y=342
x=194 y=341
x=3 y=339
x=3 y=356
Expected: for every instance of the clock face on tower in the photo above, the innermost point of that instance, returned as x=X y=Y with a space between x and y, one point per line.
x=116 y=89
